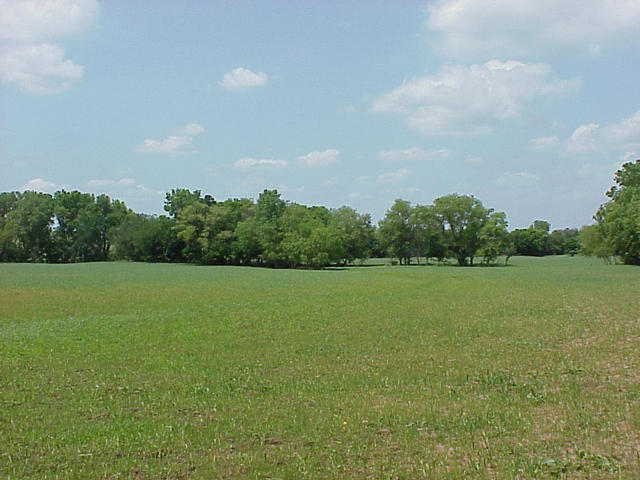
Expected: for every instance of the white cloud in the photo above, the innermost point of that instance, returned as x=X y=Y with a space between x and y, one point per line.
x=627 y=130
x=124 y=182
x=412 y=154
x=37 y=20
x=192 y=129
x=471 y=100
x=262 y=163
x=181 y=142
x=474 y=159
x=40 y=185
x=518 y=179
x=591 y=138
x=544 y=143
x=39 y=68
x=172 y=145
x=319 y=159
x=394 y=177
x=503 y=28
x=29 y=57
x=242 y=79
x=584 y=139
x=330 y=181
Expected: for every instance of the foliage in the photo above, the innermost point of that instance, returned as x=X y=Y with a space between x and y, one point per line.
x=395 y=232
x=618 y=220
x=464 y=218
x=537 y=241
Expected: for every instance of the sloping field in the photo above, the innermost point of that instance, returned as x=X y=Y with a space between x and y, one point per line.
x=150 y=371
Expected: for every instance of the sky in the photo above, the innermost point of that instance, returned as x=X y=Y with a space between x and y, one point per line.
x=529 y=105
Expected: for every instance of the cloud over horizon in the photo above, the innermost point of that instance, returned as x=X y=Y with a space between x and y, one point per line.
x=461 y=100
x=29 y=54
x=180 y=143
x=319 y=159
x=243 y=79
x=483 y=29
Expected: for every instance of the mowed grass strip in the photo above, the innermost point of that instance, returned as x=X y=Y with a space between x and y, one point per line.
x=123 y=370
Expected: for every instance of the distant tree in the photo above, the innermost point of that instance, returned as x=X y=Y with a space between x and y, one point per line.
x=593 y=243
x=495 y=238
x=395 y=232
x=69 y=209
x=9 y=247
x=564 y=242
x=532 y=241
x=180 y=198
x=427 y=233
x=464 y=217
x=357 y=233
x=145 y=238
x=619 y=219
x=32 y=221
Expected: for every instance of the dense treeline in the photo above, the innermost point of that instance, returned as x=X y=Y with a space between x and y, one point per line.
x=81 y=227
x=617 y=231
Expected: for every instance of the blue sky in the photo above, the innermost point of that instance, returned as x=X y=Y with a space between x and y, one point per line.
x=530 y=105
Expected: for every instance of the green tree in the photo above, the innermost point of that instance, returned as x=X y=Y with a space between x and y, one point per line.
x=395 y=232
x=464 y=217
x=9 y=247
x=532 y=241
x=179 y=198
x=69 y=209
x=495 y=238
x=593 y=243
x=32 y=220
x=619 y=218
x=427 y=233
x=357 y=233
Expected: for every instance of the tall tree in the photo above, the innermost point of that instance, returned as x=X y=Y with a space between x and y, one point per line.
x=619 y=218
x=357 y=232
x=9 y=247
x=495 y=237
x=395 y=232
x=427 y=233
x=464 y=217
x=32 y=219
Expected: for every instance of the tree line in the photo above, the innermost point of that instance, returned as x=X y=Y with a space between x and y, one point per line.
x=81 y=227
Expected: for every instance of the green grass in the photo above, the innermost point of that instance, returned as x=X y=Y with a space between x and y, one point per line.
x=123 y=370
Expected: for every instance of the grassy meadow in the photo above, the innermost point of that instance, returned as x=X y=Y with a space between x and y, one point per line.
x=152 y=371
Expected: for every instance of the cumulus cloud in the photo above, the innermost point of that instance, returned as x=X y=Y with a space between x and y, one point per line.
x=319 y=159
x=518 y=179
x=412 y=154
x=123 y=182
x=591 y=137
x=627 y=130
x=243 y=79
x=29 y=56
x=260 y=163
x=544 y=143
x=584 y=139
x=471 y=100
x=181 y=142
x=40 y=185
x=39 y=68
x=394 y=177
x=192 y=129
x=503 y=28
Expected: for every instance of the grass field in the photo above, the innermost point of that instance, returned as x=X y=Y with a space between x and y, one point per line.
x=149 y=371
